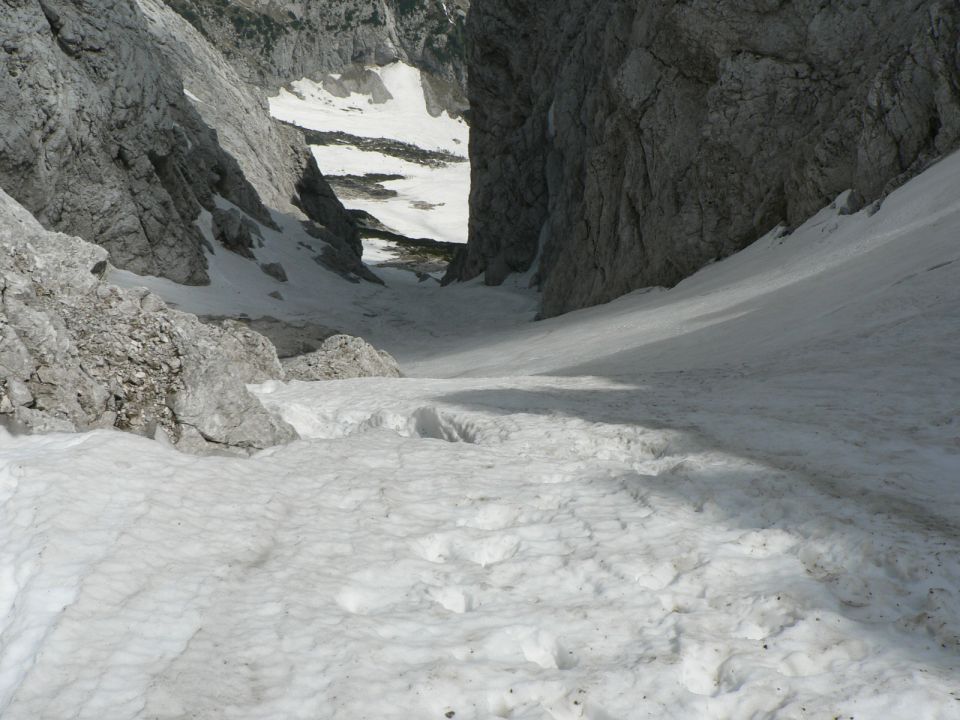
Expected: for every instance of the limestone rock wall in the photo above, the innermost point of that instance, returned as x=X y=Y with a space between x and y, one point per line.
x=274 y=157
x=98 y=140
x=99 y=137
x=619 y=144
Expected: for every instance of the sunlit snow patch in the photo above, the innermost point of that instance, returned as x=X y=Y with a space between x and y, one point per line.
x=404 y=117
x=423 y=188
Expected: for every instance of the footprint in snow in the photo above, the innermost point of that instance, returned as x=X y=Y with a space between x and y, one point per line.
x=444 y=547
x=453 y=599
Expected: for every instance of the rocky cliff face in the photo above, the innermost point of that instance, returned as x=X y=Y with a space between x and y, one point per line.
x=98 y=138
x=274 y=157
x=273 y=43
x=624 y=144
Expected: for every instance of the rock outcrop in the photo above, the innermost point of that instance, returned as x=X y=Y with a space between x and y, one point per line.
x=235 y=231
x=100 y=138
x=626 y=144
x=341 y=357
x=274 y=157
x=273 y=44
x=77 y=353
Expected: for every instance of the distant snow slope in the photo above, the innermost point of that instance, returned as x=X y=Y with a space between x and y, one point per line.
x=734 y=499
x=404 y=117
x=431 y=201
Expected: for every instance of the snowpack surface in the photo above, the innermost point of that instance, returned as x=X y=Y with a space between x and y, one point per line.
x=736 y=498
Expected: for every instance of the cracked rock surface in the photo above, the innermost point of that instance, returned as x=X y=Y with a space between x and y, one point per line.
x=77 y=353
x=98 y=140
x=628 y=144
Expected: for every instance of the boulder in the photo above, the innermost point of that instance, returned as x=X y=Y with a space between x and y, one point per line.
x=236 y=232
x=341 y=357
x=274 y=270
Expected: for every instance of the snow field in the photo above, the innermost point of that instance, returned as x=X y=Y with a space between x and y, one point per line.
x=420 y=554
x=834 y=275
x=445 y=190
x=405 y=118
x=406 y=316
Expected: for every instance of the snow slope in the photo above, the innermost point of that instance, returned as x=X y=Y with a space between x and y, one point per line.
x=406 y=316
x=734 y=499
x=432 y=200
x=404 y=117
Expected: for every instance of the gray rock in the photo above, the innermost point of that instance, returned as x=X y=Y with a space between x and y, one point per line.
x=36 y=421
x=213 y=399
x=98 y=140
x=235 y=232
x=17 y=393
x=273 y=157
x=276 y=271
x=360 y=80
x=289 y=337
x=78 y=353
x=628 y=144
x=340 y=256
x=849 y=203
x=329 y=220
x=313 y=39
x=341 y=357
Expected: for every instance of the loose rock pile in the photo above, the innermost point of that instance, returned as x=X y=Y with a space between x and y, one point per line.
x=341 y=357
x=77 y=353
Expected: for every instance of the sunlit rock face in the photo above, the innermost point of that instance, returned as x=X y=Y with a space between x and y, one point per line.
x=120 y=123
x=97 y=138
x=627 y=144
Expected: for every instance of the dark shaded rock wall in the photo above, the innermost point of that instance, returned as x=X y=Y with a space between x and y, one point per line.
x=626 y=144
